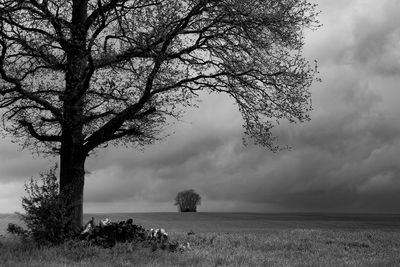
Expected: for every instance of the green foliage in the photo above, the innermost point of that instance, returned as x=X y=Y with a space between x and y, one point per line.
x=46 y=214
x=187 y=201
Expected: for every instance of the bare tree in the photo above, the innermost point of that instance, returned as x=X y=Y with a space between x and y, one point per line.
x=77 y=75
x=187 y=201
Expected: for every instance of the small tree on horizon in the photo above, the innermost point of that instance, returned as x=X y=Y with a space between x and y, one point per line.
x=79 y=75
x=187 y=201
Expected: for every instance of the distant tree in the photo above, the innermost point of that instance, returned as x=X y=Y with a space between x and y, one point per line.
x=187 y=201
x=78 y=75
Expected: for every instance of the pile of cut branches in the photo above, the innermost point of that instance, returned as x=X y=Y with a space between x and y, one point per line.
x=107 y=234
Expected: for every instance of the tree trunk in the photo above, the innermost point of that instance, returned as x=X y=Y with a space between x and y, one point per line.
x=72 y=180
x=72 y=155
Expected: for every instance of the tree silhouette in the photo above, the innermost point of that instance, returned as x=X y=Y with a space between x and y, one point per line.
x=187 y=201
x=77 y=75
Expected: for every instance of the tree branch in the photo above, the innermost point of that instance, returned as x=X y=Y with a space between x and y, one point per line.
x=55 y=21
x=113 y=125
x=125 y=56
x=101 y=10
x=35 y=134
x=18 y=86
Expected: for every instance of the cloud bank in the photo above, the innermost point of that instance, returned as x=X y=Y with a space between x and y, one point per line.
x=344 y=160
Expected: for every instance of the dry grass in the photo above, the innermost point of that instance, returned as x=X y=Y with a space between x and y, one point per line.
x=269 y=247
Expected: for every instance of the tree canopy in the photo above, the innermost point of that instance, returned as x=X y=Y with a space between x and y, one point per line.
x=77 y=75
x=143 y=60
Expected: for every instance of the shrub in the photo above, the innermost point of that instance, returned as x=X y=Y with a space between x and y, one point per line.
x=187 y=201
x=45 y=211
x=17 y=230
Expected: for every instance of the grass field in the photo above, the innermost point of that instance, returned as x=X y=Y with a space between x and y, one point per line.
x=232 y=239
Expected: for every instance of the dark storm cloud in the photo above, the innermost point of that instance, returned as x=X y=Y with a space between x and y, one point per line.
x=17 y=165
x=377 y=39
x=345 y=159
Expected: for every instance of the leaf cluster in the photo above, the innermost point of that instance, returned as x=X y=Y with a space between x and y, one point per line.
x=46 y=211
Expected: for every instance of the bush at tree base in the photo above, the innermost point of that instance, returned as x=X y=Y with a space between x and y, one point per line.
x=45 y=215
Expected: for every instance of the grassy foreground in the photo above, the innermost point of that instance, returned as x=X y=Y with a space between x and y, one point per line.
x=254 y=246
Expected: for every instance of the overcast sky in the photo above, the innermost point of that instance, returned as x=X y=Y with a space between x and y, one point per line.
x=347 y=159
